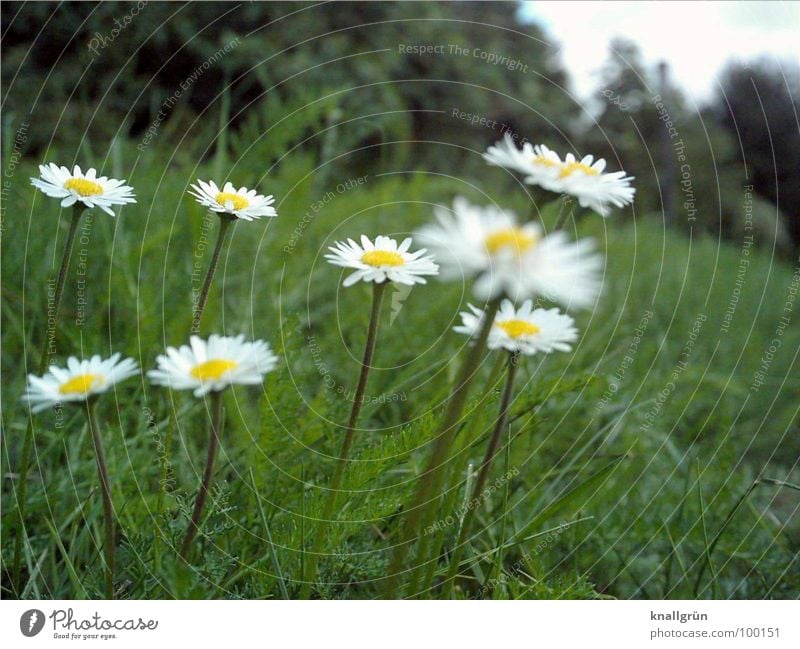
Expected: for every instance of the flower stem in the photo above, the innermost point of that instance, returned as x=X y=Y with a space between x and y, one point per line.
x=44 y=361
x=425 y=500
x=563 y=213
x=108 y=508
x=480 y=482
x=205 y=485
x=378 y=292
x=224 y=225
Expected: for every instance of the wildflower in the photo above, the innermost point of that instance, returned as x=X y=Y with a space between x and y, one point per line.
x=79 y=381
x=525 y=330
x=214 y=365
x=517 y=261
x=210 y=367
x=538 y=163
x=82 y=382
x=240 y=203
x=585 y=179
x=382 y=261
x=87 y=189
x=230 y=204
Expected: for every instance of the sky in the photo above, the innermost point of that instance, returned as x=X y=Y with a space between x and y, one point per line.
x=695 y=38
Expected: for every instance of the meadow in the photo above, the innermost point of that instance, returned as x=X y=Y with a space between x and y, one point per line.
x=658 y=459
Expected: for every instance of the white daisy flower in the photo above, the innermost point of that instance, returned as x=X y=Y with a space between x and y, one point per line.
x=79 y=381
x=242 y=203
x=381 y=261
x=517 y=261
x=540 y=164
x=584 y=179
x=525 y=330
x=87 y=188
x=594 y=189
x=214 y=365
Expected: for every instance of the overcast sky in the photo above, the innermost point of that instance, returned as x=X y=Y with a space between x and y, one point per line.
x=695 y=38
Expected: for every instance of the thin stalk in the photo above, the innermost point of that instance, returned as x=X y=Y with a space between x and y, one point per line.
x=273 y=555
x=498 y=564
x=224 y=117
x=483 y=474
x=736 y=507
x=163 y=486
x=425 y=499
x=533 y=213
x=470 y=480
x=378 y=292
x=466 y=434
x=208 y=474
x=563 y=214
x=225 y=223
x=77 y=211
x=108 y=507
x=430 y=572
x=44 y=361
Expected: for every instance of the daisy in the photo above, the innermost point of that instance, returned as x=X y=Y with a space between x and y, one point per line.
x=584 y=179
x=210 y=367
x=540 y=164
x=82 y=382
x=382 y=261
x=241 y=203
x=214 y=365
x=517 y=261
x=517 y=331
x=594 y=189
x=87 y=188
x=230 y=204
x=525 y=330
x=79 y=381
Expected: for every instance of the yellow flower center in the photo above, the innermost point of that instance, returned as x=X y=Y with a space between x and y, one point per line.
x=515 y=238
x=544 y=161
x=569 y=168
x=238 y=202
x=80 y=384
x=518 y=328
x=382 y=258
x=84 y=187
x=212 y=370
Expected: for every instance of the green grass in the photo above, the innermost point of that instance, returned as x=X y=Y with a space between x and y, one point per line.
x=614 y=491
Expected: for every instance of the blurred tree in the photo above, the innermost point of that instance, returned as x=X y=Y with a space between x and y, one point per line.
x=757 y=103
x=676 y=149
x=389 y=85
x=84 y=72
